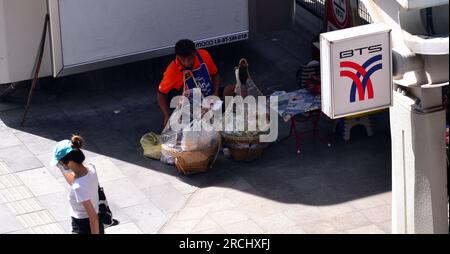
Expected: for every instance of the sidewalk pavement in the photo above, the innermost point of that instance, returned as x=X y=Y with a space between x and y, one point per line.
x=342 y=189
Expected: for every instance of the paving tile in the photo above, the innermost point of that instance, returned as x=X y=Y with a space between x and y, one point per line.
x=26 y=136
x=212 y=231
x=178 y=227
x=206 y=196
x=318 y=227
x=9 y=222
x=305 y=184
x=77 y=109
x=193 y=213
x=106 y=170
x=8 y=139
x=261 y=209
x=240 y=198
x=25 y=206
x=3 y=126
x=4 y=169
x=386 y=227
x=378 y=214
x=350 y=221
x=147 y=217
x=227 y=217
x=368 y=202
x=206 y=223
x=244 y=227
x=9 y=180
x=302 y=214
x=57 y=204
x=147 y=178
x=184 y=187
x=14 y=194
x=331 y=211
x=371 y=229
x=241 y=184
x=66 y=225
x=53 y=228
x=219 y=205
x=45 y=158
x=34 y=219
x=40 y=146
x=274 y=221
x=387 y=197
x=123 y=193
x=40 y=181
x=129 y=168
x=127 y=228
x=289 y=230
x=165 y=197
x=119 y=213
x=19 y=158
x=19 y=232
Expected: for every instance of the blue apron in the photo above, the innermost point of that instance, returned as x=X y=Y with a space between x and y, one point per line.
x=202 y=79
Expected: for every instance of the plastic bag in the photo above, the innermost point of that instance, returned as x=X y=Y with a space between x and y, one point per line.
x=245 y=87
x=189 y=134
x=151 y=143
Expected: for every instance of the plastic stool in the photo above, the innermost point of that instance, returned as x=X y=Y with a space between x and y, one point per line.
x=348 y=124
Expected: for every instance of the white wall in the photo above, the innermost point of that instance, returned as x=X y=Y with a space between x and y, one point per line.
x=21 y=24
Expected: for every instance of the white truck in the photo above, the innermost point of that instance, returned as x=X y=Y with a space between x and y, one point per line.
x=85 y=35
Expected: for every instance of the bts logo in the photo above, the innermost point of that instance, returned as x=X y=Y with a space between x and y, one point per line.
x=361 y=74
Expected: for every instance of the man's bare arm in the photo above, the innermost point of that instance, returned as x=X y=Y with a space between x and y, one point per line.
x=164 y=105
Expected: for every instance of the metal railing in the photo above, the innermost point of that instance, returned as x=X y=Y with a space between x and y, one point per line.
x=363 y=13
x=315 y=7
x=318 y=8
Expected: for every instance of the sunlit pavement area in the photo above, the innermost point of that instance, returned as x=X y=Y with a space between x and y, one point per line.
x=342 y=189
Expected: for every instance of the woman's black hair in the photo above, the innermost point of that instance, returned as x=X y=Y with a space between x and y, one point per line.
x=76 y=155
x=185 y=48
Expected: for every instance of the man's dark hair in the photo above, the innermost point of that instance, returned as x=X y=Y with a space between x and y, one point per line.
x=185 y=48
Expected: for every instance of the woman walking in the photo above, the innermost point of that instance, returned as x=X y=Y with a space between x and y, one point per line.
x=83 y=195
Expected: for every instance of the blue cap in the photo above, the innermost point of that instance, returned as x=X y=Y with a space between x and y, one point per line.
x=61 y=149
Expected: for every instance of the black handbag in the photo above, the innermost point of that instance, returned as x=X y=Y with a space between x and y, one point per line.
x=104 y=213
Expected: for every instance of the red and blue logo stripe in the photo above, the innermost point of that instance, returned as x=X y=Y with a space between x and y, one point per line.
x=361 y=71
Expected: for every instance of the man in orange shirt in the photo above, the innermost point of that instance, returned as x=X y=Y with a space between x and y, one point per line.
x=197 y=62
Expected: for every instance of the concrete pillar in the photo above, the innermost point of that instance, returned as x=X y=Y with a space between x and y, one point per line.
x=419 y=175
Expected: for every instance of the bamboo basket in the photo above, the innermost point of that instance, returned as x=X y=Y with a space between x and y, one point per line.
x=190 y=162
x=245 y=148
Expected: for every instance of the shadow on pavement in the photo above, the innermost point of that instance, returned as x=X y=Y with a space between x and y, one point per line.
x=113 y=108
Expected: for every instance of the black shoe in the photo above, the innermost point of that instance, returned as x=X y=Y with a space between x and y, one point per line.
x=113 y=223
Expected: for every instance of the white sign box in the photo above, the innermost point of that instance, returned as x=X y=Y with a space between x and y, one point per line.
x=92 y=34
x=356 y=70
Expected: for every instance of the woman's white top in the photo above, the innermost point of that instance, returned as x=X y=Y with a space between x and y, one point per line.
x=83 y=189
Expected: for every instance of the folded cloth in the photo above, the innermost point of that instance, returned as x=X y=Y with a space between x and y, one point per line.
x=151 y=143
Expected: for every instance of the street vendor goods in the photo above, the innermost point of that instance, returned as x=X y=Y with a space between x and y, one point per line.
x=244 y=143
x=191 y=145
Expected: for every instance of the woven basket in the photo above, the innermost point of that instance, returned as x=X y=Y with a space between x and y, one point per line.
x=190 y=162
x=244 y=148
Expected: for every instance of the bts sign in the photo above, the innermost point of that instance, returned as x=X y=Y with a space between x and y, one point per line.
x=356 y=70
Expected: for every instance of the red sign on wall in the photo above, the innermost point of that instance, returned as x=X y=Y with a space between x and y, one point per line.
x=338 y=14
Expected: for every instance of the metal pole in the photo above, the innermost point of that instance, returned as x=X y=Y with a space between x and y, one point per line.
x=38 y=67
